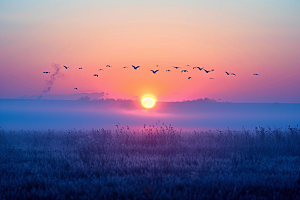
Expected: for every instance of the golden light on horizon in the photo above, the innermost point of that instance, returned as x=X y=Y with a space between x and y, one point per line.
x=148 y=102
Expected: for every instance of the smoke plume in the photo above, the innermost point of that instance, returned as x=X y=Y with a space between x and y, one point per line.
x=53 y=77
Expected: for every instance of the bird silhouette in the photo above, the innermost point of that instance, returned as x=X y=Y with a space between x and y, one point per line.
x=188 y=65
x=207 y=71
x=76 y=88
x=125 y=67
x=66 y=67
x=80 y=67
x=101 y=70
x=212 y=70
x=233 y=74
x=168 y=70
x=227 y=73
x=189 y=77
x=176 y=67
x=154 y=72
x=198 y=68
x=46 y=72
x=157 y=65
x=108 y=66
x=184 y=70
x=135 y=67
x=211 y=78
x=253 y=74
x=95 y=75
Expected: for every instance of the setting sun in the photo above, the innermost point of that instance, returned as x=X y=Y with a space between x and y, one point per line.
x=148 y=102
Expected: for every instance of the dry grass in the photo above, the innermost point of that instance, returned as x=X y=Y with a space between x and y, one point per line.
x=154 y=163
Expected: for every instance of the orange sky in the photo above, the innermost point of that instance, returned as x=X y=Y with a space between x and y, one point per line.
x=245 y=38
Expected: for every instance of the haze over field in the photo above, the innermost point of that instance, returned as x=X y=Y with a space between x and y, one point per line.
x=151 y=99
x=199 y=115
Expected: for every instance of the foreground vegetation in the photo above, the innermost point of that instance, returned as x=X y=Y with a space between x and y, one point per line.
x=153 y=163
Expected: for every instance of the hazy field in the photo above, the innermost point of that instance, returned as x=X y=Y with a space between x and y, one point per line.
x=153 y=163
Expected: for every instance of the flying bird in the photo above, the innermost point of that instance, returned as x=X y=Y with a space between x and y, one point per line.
x=168 y=70
x=200 y=68
x=76 y=88
x=125 y=67
x=176 y=67
x=108 y=66
x=135 y=67
x=253 y=74
x=80 y=67
x=95 y=75
x=46 y=72
x=157 y=65
x=101 y=70
x=189 y=77
x=207 y=71
x=184 y=70
x=188 y=65
x=211 y=78
x=230 y=73
x=154 y=72
x=66 y=67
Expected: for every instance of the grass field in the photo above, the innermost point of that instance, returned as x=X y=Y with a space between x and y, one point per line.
x=153 y=163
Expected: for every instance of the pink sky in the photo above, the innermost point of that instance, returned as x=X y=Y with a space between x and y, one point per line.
x=251 y=37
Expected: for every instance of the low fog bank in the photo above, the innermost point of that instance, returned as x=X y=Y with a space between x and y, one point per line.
x=92 y=95
x=87 y=114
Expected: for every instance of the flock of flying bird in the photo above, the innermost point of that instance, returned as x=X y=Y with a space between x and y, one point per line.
x=157 y=70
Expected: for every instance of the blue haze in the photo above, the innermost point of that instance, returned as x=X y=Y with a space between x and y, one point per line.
x=30 y=114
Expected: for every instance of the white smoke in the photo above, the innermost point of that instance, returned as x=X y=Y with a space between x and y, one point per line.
x=53 y=77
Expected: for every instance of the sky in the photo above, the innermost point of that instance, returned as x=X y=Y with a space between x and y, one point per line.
x=241 y=37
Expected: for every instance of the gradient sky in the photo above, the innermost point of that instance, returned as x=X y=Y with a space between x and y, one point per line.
x=244 y=37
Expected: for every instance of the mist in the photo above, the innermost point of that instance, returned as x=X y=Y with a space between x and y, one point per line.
x=195 y=115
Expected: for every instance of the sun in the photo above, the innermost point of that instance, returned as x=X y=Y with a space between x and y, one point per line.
x=148 y=101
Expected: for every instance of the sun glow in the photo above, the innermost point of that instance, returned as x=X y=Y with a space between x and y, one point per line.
x=148 y=101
